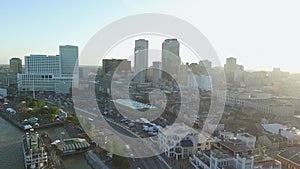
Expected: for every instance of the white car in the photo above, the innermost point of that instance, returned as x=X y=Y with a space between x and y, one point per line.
x=27 y=127
x=131 y=124
x=123 y=120
x=146 y=128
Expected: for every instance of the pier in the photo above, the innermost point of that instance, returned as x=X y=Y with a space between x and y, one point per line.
x=13 y=121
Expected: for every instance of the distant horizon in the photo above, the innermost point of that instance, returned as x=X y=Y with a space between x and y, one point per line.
x=260 y=40
x=246 y=70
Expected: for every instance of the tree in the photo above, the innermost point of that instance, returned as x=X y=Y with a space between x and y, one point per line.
x=262 y=149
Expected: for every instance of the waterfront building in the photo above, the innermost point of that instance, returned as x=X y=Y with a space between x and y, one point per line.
x=35 y=155
x=71 y=146
x=50 y=73
x=43 y=64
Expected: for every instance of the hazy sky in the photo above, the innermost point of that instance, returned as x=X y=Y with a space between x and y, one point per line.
x=261 y=34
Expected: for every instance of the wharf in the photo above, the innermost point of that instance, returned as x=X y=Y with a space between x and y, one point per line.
x=10 y=119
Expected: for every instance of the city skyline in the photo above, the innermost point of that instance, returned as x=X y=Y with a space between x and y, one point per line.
x=152 y=52
x=258 y=44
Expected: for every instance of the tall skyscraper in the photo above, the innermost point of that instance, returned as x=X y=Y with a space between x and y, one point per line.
x=69 y=59
x=229 y=68
x=140 y=60
x=170 y=57
x=156 y=72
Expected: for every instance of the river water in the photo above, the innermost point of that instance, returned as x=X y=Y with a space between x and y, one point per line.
x=11 y=156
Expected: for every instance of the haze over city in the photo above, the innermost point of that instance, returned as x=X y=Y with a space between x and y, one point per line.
x=149 y=84
x=262 y=35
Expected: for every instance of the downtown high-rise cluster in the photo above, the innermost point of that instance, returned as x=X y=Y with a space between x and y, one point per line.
x=168 y=67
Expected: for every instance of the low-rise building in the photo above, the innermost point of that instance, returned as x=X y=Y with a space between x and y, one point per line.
x=291 y=134
x=178 y=141
x=204 y=142
x=233 y=147
x=216 y=159
x=226 y=135
x=278 y=107
x=257 y=100
x=266 y=162
x=241 y=97
x=290 y=158
x=247 y=138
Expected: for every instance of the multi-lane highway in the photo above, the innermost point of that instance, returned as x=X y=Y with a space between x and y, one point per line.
x=155 y=162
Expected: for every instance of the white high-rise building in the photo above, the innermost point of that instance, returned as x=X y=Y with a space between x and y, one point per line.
x=140 y=60
x=42 y=65
x=50 y=73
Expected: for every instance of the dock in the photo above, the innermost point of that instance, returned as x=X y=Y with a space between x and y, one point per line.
x=9 y=118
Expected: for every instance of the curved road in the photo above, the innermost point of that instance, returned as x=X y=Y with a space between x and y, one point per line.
x=155 y=162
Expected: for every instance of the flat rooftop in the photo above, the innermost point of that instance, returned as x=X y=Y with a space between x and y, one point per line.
x=133 y=104
x=235 y=145
x=288 y=132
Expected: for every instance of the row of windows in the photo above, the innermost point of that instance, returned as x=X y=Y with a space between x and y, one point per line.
x=37 y=76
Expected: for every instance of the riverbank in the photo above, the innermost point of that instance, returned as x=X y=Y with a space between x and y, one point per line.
x=11 y=120
x=56 y=159
x=17 y=124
